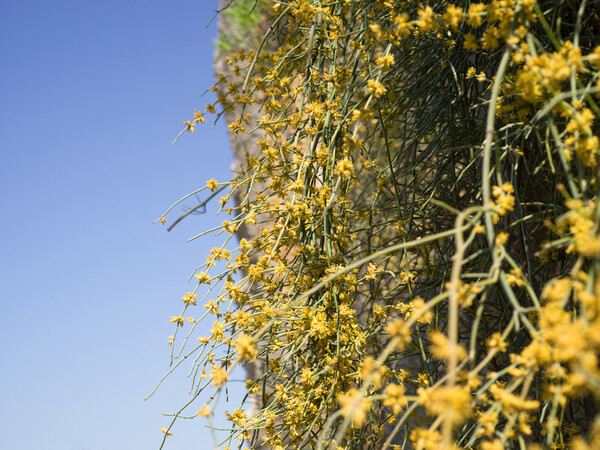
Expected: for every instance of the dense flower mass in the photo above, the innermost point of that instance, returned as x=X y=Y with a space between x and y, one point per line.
x=419 y=254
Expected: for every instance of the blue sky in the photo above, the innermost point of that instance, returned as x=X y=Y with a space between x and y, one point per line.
x=91 y=96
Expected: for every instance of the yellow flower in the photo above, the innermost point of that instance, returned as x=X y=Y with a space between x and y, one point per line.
x=490 y=38
x=203 y=277
x=514 y=278
x=495 y=341
x=453 y=16
x=513 y=40
x=425 y=439
x=189 y=298
x=236 y=127
x=423 y=315
x=501 y=238
x=238 y=417
x=198 y=117
x=581 y=121
x=229 y=227
x=385 y=62
x=452 y=400
x=372 y=270
x=217 y=331
x=354 y=405
x=220 y=253
x=398 y=329
x=177 y=319
x=245 y=347
x=212 y=306
x=376 y=88
x=475 y=18
x=496 y=444
x=470 y=43
x=189 y=126
x=426 y=21
x=204 y=412
x=441 y=346
x=167 y=432
x=218 y=376
x=511 y=402
x=212 y=184
x=395 y=397
x=488 y=421
x=344 y=168
x=369 y=368
x=252 y=387
x=163 y=220
x=505 y=202
x=557 y=291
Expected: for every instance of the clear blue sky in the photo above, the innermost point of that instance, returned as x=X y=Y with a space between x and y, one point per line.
x=91 y=95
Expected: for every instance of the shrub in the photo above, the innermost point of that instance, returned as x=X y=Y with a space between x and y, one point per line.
x=425 y=271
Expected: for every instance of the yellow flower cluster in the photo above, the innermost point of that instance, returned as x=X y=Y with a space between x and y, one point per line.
x=390 y=286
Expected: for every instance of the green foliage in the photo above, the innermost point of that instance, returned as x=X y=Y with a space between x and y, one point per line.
x=242 y=18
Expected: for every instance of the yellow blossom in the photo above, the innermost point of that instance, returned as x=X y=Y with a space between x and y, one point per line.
x=189 y=298
x=198 y=118
x=470 y=43
x=203 y=277
x=229 y=227
x=385 y=62
x=455 y=401
x=245 y=347
x=514 y=278
x=355 y=406
x=496 y=444
x=371 y=370
x=212 y=184
x=177 y=319
x=441 y=346
x=217 y=331
x=475 y=14
x=453 y=16
x=511 y=402
x=495 y=341
x=372 y=270
x=423 y=314
x=376 y=88
x=344 y=168
x=398 y=329
x=218 y=376
x=426 y=439
x=426 y=19
x=189 y=126
x=501 y=238
x=395 y=397
x=205 y=411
